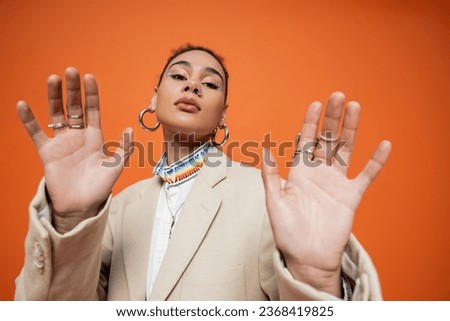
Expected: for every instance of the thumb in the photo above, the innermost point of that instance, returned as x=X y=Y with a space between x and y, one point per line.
x=373 y=166
x=126 y=145
x=271 y=177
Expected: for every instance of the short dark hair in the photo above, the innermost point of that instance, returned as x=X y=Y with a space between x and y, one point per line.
x=190 y=47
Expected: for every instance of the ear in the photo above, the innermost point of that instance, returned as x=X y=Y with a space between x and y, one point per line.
x=154 y=100
x=223 y=116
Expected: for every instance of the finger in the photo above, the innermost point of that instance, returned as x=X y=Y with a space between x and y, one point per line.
x=345 y=147
x=330 y=128
x=307 y=141
x=74 y=105
x=373 y=166
x=271 y=178
x=55 y=104
x=31 y=125
x=92 y=108
x=126 y=145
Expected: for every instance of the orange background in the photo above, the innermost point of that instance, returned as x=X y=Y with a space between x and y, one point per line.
x=391 y=56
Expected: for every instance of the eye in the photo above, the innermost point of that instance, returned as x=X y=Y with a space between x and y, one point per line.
x=177 y=76
x=212 y=85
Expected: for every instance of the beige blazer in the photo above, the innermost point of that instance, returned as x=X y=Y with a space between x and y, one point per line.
x=221 y=249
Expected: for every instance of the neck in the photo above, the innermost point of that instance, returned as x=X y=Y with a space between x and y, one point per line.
x=180 y=145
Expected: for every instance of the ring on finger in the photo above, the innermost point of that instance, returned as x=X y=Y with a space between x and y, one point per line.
x=306 y=151
x=57 y=125
x=330 y=139
x=75 y=116
x=76 y=126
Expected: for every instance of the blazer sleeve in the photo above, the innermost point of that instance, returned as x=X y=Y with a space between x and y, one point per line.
x=356 y=264
x=63 y=267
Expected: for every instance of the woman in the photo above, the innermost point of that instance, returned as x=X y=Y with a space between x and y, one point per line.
x=199 y=229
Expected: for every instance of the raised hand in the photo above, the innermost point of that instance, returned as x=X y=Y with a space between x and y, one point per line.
x=76 y=177
x=312 y=214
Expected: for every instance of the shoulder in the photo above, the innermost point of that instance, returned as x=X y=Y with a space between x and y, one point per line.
x=243 y=180
x=242 y=171
x=218 y=160
x=247 y=174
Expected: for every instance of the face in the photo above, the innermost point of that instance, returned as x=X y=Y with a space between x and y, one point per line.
x=191 y=95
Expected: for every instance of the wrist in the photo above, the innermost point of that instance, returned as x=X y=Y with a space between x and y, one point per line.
x=322 y=280
x=65 y=222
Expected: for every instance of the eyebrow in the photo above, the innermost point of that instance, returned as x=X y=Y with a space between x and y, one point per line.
x=188 y=64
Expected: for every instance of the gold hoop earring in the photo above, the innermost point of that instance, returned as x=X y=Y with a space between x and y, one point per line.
x=225 y=138
x=141 y=120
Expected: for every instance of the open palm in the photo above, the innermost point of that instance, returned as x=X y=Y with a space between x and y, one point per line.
x=312 y=214
x=78 y=176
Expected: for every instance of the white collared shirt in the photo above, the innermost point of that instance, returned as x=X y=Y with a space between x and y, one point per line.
x=173 y=197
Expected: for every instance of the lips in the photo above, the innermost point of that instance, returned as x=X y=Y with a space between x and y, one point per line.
x=188 y=105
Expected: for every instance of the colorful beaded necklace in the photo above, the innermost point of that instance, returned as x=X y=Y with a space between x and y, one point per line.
x=183 y=169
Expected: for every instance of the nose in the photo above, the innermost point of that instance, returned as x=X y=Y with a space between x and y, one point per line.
x=194 y=87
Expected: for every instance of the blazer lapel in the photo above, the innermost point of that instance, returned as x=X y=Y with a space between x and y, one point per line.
x=136 y=238
x=199 y=211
